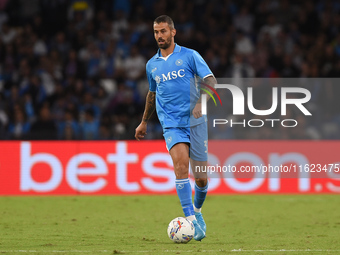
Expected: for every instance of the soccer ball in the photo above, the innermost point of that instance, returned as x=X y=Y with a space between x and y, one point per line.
x=181 y=230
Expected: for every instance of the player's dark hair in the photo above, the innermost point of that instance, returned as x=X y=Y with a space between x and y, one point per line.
x=165 y=19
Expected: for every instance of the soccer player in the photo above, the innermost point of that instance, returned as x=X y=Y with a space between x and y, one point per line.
x=176 y=97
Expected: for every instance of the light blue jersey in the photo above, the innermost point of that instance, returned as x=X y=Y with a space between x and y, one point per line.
x=173 y=80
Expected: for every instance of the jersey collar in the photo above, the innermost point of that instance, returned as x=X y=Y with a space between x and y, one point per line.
x=176 y=49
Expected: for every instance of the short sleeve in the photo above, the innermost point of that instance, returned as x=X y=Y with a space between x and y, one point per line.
x=199 y=66
x=152 y=82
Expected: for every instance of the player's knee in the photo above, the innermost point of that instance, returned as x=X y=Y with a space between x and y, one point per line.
x=181 y=170
x=201 y=182
x=181 y=167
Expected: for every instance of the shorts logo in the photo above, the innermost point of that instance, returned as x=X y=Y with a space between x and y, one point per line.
x=157 y=79
x=179 y=62
x=169 y=139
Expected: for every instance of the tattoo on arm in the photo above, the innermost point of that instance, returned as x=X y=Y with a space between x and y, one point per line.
x=150 y=105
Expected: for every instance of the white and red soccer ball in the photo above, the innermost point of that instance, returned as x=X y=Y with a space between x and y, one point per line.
x=181 y=230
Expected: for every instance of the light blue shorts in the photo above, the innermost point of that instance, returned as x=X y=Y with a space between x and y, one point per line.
x=196 y=137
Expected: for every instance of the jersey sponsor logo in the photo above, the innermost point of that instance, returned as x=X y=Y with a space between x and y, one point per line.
x=179 y=62
x=173 y=75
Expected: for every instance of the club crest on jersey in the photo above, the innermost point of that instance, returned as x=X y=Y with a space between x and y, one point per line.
x=157 y=79
x=179 y=62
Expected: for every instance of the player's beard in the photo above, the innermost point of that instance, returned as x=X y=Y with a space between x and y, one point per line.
x=166 y=43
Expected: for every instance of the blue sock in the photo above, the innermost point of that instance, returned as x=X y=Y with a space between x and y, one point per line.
x=200 y=194
x=184 y=193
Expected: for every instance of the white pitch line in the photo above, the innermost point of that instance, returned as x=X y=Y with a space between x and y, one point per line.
x=164 y=251
x=307 y=250
x=53 y=251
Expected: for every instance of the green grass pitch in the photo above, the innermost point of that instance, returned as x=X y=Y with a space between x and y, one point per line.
x=236 y=224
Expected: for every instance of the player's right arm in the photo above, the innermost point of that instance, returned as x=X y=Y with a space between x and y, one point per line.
x=150 y=106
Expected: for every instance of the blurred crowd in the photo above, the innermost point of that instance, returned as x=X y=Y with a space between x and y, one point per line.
x=75 y=70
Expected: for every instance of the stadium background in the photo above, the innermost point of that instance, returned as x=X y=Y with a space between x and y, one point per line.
x=75 y=71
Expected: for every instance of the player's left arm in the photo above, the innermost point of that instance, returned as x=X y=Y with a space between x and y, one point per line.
x=211 y=81
x=202 y=70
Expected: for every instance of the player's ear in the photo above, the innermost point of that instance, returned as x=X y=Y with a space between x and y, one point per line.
x=173 y=32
